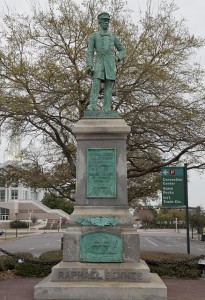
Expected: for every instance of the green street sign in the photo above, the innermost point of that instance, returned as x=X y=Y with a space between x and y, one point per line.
x=173 y=186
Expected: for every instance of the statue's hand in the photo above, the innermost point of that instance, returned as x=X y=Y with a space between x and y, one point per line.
x=90 y=70
x=117 y=59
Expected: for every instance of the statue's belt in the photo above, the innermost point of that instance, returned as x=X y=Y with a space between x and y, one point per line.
x=106 y=52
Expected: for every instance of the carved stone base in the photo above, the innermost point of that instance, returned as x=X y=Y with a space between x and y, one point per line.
x=76 y=271
x=120 y=214
x=101 y=290
x=75 y=280
x=130 y=243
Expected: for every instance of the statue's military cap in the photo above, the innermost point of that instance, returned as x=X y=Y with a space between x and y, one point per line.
x=103 y=15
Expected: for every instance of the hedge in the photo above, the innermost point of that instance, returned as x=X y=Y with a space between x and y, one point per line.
x=164 y=264
x=177 y=265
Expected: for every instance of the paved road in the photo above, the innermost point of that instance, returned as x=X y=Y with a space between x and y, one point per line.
x=150 y=240
x=170 y=241
x=36 y=243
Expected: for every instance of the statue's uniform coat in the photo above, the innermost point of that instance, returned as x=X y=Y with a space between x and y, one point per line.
x=104 y=45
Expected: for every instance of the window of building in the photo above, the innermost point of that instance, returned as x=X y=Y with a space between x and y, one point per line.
x=25 y=195
x=34 y=195
x=4 y=213
x=14 y=194
x=2 y=195
x=2 y=181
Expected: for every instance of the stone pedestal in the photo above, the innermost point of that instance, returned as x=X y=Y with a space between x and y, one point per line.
x=101 y=253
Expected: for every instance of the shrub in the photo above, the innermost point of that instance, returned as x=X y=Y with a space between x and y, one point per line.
x=27 y=269
x=18 y=224
x=34 y=219
x=165 y=264
x=7 y=263
x=32 y=269
x=172 y=264
x=23 y=255
x=52 y=256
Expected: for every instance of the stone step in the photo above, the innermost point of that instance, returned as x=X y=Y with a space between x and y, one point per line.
x=101 y=290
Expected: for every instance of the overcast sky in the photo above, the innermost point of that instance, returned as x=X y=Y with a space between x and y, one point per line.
x=193 y=11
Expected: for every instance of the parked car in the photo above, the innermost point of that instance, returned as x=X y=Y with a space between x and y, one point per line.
x=1 y=232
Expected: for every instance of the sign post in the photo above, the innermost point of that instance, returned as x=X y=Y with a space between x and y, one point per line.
x=187 y=208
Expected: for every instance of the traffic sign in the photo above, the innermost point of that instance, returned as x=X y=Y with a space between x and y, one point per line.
x=173 y=186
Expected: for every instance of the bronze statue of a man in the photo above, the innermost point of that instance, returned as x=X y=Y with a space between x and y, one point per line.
x=102 y=45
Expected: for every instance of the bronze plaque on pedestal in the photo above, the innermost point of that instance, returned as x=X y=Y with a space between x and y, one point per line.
x=101 y=247
x=101 y=173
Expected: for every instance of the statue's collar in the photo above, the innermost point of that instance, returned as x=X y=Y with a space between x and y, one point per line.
x=102 y=32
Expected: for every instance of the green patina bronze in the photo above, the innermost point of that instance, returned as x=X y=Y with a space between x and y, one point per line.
x=101 y=114
x=101 y=247
x=98 y=221
x=101 y=173
x=102 y=47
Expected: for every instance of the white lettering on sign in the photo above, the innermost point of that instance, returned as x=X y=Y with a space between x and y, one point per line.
x=168 y=193
x=172 y=179
x=169 y=201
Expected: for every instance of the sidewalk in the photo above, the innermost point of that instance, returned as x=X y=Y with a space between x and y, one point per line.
x=178 y=289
